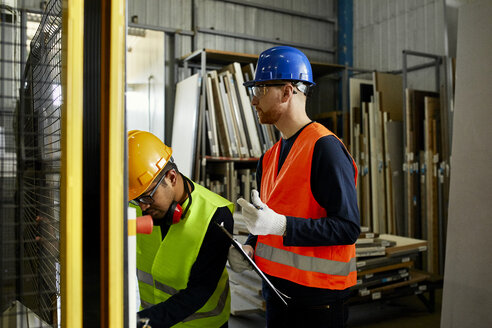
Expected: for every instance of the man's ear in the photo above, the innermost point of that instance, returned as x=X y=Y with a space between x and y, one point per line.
x=172 y=176
x=288 y=92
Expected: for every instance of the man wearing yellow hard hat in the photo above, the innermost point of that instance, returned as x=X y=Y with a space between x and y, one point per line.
x=181 y=270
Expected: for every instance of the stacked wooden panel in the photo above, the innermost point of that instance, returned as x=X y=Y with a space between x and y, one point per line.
x=414 y=161
x=373 y=113
x=234 y=138
x=387 y=164
x=233 y=130
x=424 y=177
x=385 y=264
x=358 y=146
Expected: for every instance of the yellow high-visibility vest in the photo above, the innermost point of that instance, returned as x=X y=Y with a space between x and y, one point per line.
x=164 y=266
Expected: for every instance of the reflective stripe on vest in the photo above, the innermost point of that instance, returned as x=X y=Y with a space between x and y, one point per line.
x=145 y=277
x=305 y=263
x=145 y=304
x=166 y=289
x=218 y=309
x=288 y=191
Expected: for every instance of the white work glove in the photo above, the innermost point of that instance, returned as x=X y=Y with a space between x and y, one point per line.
x=236 y=260
x=261 y=220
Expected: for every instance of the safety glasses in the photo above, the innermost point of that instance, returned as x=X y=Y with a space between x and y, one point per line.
x=147 y=199
x=259 y=90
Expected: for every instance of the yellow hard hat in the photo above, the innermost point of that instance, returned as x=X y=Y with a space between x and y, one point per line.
x=147 y=157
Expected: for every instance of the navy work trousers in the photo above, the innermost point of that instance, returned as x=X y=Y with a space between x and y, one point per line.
x=332 y=315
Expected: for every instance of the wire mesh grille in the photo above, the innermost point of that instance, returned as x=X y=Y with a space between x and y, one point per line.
x=30 y=154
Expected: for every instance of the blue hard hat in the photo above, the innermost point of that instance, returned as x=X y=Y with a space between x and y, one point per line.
x=282 y=63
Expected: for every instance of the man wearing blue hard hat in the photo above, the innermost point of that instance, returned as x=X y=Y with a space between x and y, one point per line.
x=304 y=218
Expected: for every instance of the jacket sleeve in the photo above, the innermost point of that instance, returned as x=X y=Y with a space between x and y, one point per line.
x=204 y=276
x=333 y=187
x=252 y=239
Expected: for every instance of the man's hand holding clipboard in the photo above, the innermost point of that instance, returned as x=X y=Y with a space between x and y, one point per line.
x=237 y=261
x=253 y=265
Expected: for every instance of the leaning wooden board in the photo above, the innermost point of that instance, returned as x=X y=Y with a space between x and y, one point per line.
x=185 y=124
x=248 y=112
x=381 y=201
x=366 y=174
x=390 y=86
x=355 y=102
x=404 y=244
x=395 y=142
x=223 y=134
x=431 y=160
x=415 y=113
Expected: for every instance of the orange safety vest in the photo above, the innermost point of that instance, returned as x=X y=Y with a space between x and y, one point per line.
x=289 y=193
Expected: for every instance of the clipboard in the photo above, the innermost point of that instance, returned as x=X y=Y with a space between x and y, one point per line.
x=238 y=246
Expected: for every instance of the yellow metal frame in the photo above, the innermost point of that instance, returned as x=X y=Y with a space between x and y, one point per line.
x=72 y=159
x=71 y=165
x=117 y=140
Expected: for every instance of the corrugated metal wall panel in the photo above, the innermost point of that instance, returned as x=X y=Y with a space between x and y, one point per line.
x=34 y=5
x=135 y=8
x=151 y=14
x=383 y=28
x=311 y=7
x=164 y=13
x=242 y=19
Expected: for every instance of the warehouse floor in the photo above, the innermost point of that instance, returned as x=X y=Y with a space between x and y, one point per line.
x=405 y=312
